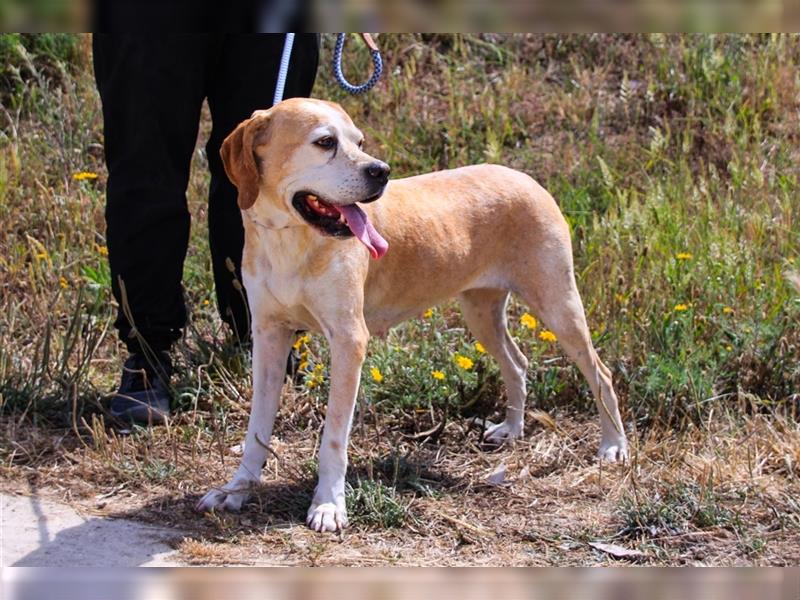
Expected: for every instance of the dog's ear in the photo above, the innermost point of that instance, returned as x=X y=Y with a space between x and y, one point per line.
x=239 y=159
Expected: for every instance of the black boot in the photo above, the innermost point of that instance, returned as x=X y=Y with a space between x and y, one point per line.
x=143 y=396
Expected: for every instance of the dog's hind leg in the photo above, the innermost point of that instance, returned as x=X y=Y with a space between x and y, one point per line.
x=271 y=345
x=556 y=300
x=485 y=313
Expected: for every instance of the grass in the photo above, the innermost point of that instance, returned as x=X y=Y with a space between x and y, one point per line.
x=372 y=503
x=675 y=511
x=674 y=159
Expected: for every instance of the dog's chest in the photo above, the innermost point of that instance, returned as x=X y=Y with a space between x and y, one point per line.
x=275 y=294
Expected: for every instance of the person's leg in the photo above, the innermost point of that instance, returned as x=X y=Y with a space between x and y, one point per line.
x=152 y=88
x=242 y=79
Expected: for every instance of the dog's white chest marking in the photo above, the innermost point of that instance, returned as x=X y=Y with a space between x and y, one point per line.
x=275 y=288
x=273 y=297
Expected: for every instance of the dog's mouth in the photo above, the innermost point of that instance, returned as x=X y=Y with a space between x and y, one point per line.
x=341 y=221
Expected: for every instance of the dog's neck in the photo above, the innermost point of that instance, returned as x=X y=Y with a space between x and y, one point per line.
x=279 y=247
x=268 y=224
x=269 y=216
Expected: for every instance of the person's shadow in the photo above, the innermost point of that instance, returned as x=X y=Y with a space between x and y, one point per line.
x=41 y=533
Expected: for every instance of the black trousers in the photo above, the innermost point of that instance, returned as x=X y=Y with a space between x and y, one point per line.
x=152 y=89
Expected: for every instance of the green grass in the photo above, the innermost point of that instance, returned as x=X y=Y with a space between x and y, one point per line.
x=372 y=503
x=674 y=511
x=653 y=146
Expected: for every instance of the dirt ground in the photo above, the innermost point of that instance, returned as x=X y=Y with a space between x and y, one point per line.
x=722 y=496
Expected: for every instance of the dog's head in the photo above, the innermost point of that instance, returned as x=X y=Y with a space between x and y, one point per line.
x=301 y=161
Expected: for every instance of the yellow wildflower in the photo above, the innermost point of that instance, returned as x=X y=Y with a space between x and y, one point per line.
x=528 y=320
x=311 y=383
x=205 y=302
x=303 y=339
x=82 y=175
x=377 y=376
x=62 y=281
x=479 y=347
x=683 y=255
x=547 y=336
x=102 y=250
x=681 y=307
x=318 y=368
x=41 y=255
x=727 y=310
x=428 y=313
x=437 y=375
x=463 y=362
x=302 y=366
x=729 y=348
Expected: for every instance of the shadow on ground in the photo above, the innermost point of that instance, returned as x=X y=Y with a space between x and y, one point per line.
x=41 y=533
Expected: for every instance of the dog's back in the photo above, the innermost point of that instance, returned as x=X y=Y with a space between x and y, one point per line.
x=450 y=230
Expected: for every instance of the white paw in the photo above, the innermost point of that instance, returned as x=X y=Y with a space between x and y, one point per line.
x=229 y=497
x=502 y=432
x=327 y=517
x=614 y=450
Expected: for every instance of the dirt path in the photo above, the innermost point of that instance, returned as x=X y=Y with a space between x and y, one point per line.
x=35 y=532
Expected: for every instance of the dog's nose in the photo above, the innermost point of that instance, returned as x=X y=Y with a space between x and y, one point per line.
x=378 y=171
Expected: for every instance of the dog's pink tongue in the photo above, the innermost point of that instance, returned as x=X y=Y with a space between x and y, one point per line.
x=359 y=224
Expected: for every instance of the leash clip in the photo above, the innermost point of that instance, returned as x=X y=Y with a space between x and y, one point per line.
x=369 y=41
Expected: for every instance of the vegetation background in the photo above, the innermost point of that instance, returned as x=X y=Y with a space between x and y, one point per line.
x=675 y=161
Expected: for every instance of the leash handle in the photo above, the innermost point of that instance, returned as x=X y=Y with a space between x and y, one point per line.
x=337 y=65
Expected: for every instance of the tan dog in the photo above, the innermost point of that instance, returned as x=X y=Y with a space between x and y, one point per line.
x=477 y=233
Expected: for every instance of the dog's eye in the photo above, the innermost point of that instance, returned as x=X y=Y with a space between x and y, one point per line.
x=327 y=142
x=361 y=144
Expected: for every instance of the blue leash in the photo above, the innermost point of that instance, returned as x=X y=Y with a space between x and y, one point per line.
x=337 y=66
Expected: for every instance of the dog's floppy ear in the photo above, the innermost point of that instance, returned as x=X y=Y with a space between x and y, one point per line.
x=239 y=159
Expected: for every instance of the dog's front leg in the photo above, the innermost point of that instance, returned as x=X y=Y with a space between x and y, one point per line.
x=271 y=345
x=348 y=348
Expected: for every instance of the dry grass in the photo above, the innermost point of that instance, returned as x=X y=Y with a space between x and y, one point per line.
x=552 y=500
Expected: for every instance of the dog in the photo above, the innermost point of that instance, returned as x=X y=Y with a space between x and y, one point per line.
x=322 y=255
